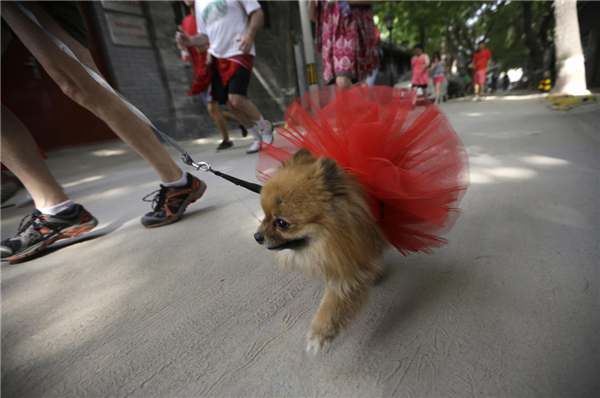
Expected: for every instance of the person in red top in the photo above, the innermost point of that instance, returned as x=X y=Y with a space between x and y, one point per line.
x=202 y=79
x=481 y=62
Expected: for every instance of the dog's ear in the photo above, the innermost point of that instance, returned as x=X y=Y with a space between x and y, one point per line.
x=332 y=176
x=303 y=156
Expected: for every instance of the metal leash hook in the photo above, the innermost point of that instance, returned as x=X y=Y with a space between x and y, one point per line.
x=204 y=166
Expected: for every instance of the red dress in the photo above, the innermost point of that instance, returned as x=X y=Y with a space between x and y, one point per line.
x=412 y=163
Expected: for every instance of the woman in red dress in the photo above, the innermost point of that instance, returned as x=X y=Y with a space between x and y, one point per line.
x=345 y=35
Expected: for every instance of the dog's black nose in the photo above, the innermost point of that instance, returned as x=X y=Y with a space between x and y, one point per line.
x=260 y=238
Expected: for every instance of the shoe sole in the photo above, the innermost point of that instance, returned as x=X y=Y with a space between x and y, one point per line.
x=72 y=232
x=183 y=207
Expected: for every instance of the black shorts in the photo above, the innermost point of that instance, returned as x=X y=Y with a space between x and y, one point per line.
x=68 y=16
x=238 y=84
x=419 y=86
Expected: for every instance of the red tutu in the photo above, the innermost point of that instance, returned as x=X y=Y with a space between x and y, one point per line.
x=412 y=163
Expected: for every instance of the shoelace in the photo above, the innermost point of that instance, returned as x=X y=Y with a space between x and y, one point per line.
x=35 y=221
x=158 y=201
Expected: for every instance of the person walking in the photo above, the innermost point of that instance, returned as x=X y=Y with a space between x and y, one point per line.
x=438 y=66
x=345 y=35
x=57 y=216
x=225 y=24
x=420 y=75
x=201 y=85
x=481 y=63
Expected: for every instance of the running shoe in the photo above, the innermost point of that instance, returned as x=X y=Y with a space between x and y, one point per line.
x=254 y=147
x=169 y=203
x=224 y=145
x=244 y=131
x=267 y=134
x=37 y=231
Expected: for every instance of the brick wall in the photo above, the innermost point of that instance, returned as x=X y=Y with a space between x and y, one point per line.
x=135 y=72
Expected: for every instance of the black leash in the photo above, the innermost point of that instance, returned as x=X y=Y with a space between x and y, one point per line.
x=185 y=157
x=206 y=167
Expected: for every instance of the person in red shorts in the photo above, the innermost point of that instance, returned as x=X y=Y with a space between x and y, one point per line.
x=201 y=84
x=230 y=27
x=481 y=62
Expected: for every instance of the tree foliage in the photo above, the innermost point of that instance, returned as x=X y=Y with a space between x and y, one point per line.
x=518 y=33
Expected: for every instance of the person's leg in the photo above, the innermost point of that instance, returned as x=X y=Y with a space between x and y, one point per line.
x=476 y=89
x=230 y=117
x=78 y=85
x=343 y=82
x=243 y=109
x=219 y=118
x=438 y=88
x=425 y=92
x=21 y=155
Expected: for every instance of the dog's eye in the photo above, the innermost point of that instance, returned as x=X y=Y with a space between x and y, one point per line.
x=282 y=225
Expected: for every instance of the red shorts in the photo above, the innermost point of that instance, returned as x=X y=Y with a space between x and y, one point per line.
x=439 y=79
x=479 y=77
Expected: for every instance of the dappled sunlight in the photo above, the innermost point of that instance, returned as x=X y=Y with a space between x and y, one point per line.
x=544 y=160
x=108 y=152
x=218 y=140
x=488 y=169
x=515 y=97
x=513 y=173
x=472 y=114
x=83 y=181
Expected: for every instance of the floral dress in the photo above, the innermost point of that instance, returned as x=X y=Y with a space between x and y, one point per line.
x=345 y=35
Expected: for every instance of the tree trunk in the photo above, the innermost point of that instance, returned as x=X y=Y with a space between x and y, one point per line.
x=422 y=34
x=570 y=77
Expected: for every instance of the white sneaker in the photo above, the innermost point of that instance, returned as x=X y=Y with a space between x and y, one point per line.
x=255 y=147
x=267 y=134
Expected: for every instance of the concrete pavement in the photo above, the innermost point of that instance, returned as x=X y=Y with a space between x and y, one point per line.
x=509 y=308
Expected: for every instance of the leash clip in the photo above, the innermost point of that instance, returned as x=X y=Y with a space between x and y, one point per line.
x=204 y=166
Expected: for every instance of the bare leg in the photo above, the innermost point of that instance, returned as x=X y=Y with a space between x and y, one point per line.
x=334 y=315
x=244 y=109
x=78 y=85
x=425 y=92
x=219 y=118
x=343 y=82
x=21 y=156
x=230 y=117
x=476 y=89
x=438 y=88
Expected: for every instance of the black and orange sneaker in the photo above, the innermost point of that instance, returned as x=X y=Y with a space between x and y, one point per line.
x=169 y=203
x=37 y=231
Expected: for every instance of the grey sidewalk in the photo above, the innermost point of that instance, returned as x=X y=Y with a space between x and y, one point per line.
x=509 y=308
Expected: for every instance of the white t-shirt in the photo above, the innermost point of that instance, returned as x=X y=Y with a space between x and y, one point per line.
x=224 y=22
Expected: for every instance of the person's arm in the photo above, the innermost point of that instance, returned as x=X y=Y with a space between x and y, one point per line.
x=312 y=10
x=446 y=69
x=427 y=63
x=257 y=20
x=185 y=40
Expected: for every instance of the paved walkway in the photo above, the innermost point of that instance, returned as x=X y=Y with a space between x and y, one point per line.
x=509 y=308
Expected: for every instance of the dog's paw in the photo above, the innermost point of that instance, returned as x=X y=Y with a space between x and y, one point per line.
x=316 y=343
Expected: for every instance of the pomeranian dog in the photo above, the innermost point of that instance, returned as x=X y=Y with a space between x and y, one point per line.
x=318 y=221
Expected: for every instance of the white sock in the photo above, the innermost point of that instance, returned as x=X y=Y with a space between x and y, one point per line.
x=254 y=132
x=261 y=123
x=182 y=181
x=54 y=210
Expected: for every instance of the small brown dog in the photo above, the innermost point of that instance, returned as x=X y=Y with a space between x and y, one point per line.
x=318 y=221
